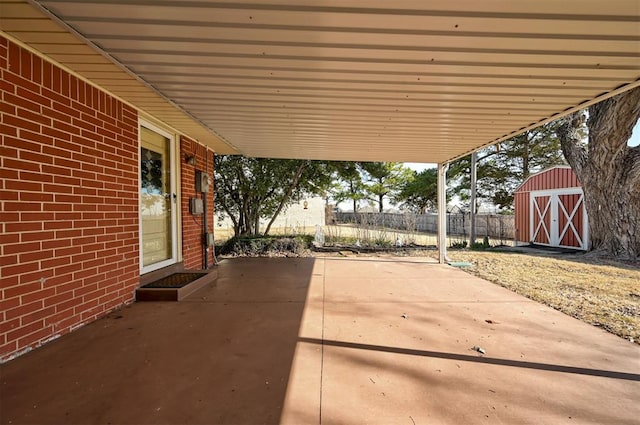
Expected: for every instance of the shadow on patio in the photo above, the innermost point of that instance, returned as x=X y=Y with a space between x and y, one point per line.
x=330 y=340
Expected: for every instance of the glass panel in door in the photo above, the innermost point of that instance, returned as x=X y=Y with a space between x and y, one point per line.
x=155 y=198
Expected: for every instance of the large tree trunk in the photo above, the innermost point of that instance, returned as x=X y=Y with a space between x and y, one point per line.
x=609 y=171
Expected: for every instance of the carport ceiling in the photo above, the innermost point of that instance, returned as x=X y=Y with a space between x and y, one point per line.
x=403 y=80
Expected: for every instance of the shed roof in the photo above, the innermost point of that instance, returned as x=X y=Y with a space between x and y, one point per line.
x=558 y=176
x=403 y=80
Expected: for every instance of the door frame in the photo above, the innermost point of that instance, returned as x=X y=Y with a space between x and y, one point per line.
x=554 y=208
x=534 y=212
x=174 y=191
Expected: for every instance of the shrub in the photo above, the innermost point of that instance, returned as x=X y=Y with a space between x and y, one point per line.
x=478 y=246
x=267 y=246
x=459 y=244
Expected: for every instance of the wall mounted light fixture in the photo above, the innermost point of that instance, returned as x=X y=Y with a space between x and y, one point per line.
x=190 y=159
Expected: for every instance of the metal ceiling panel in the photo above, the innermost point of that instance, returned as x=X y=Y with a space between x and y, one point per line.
x=403 y=80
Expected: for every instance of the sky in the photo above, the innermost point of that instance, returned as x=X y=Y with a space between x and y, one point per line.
x=419 y=166
x=635 y=137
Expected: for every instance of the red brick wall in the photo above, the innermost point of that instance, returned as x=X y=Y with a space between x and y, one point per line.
x=192 y=225
x=68 y=201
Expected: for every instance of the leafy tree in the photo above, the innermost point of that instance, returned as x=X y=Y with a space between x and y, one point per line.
x=420 y=192
x=502 y=168
x=248 y=189
x=350 y=186
x=609 y=171
x=533 y=151
x=384 y=180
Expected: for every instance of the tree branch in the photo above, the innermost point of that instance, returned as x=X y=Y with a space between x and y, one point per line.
x=287 y=194
x=574 y=150
x=633 y=161
x=228 y=211
x=611 y=123
x=616 y=116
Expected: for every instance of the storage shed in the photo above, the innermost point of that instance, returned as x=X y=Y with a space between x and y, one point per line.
x=549 y=209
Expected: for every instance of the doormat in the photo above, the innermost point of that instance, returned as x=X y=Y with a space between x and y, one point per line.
x=176 y=280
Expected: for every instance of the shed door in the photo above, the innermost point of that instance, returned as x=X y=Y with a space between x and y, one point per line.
x=558 y=218
x=571 y=220
x=541 y=219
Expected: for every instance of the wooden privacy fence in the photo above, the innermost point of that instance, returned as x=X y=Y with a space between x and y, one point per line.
x=495 y=226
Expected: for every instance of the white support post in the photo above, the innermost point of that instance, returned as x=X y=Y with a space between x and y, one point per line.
x=474 y=180
x=442 y=212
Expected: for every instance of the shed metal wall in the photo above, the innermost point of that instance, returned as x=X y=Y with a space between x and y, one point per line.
x=521 y=203
x=555 y=179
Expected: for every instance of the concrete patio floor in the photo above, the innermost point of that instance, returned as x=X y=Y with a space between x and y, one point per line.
x=333 y=341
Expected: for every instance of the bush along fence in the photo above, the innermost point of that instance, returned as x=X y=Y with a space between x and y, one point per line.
x=500 y=229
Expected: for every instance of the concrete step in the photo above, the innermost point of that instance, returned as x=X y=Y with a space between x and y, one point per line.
x=173 y=283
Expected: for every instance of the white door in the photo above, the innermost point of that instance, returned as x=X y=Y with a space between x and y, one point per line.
x=541 y=218
x=559 y=218
x=158 y=200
